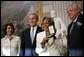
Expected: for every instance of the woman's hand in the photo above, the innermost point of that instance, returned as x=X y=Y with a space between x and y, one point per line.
x=45 y=40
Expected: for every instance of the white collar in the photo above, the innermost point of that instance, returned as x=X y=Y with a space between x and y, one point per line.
x=34 y=27
x=81 y=12
x=6 y=37
x=75 y=19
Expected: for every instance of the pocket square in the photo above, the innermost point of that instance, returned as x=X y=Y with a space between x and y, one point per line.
x=79 y=24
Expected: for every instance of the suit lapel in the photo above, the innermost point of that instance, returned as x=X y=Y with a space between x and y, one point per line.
x=75 y=27
x=78 y=20
x=30 y=35
x=69 y=27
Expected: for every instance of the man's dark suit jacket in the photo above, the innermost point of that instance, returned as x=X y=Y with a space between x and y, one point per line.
x=75 y=38
x=26 y=41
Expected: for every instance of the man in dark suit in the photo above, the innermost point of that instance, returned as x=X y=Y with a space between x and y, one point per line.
x=28 y=37
x=75 y=30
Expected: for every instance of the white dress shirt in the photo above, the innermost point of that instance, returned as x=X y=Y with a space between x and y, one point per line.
x=35 y=28
x=10 y=47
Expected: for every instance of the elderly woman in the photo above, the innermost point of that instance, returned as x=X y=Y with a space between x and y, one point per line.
x=10 y=44
x=49 y=45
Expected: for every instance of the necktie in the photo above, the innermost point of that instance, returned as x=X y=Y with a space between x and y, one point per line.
x=32 y=34
x=73 y=26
